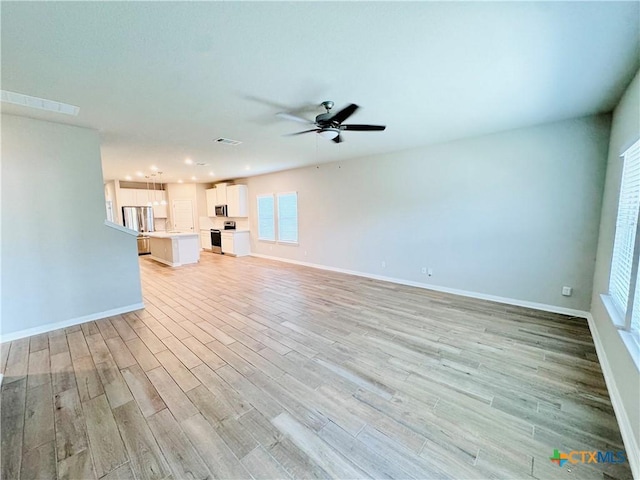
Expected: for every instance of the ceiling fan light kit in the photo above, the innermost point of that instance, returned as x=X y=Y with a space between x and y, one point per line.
x=329 y=133
x=330 y=125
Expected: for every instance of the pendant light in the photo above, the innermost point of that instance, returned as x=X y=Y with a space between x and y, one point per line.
x=148 y=196
x=155 y=202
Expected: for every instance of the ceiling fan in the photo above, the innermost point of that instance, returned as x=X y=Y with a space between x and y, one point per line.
x=329 y=125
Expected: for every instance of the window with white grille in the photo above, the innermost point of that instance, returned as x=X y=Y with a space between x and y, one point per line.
x=281 y=218
x=266 y=219
x=288 y=217
x=624 y=287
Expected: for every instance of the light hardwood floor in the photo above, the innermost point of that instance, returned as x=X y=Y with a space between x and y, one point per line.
x=242 y=367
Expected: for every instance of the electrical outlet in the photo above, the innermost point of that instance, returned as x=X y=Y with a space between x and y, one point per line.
x=567 y=291
x=305 y=253
x=430 y=272
x=424 y=270
x=383 y=264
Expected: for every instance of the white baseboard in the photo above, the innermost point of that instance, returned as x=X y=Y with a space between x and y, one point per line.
x=629 y=439
x=481 y=296
x=9 y=337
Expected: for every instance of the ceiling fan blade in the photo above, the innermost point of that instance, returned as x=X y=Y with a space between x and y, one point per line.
x=267 y=102
x=345 y=113
x=337 y=139
x=295 y=118
x=300 y=133
x=363 y=128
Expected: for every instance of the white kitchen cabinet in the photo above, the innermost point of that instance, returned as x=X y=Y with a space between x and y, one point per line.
x=127 y=197
x=235 y=244
x=139 y=197
x=227 y=243
x=205 y=239
x=211 y=202
x=237 y=201
x=143 y=197
x=221 y=194
x=216 y=196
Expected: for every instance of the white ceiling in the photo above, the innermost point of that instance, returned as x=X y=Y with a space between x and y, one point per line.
x=162 y=80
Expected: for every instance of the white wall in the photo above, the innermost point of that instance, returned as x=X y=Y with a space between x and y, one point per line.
x=512 y=215
x=59 y=261
x=625 y=130
x=204 y=222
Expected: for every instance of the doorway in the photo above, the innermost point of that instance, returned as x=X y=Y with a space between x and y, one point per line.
x=182 y=215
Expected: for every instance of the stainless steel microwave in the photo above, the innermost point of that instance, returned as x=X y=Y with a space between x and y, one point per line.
x=221 y=210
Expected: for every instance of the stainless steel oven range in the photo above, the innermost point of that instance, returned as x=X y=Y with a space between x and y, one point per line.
x=216 y=241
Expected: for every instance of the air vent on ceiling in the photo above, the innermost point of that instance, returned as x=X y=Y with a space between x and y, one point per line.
x=201 y=164
x=40 y=103
x=228 y=141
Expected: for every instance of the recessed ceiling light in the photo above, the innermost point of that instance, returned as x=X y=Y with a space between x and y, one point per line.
x=193 y=178
x=180 y=181
x=140 y=174
x=128 y=177
x=154 y=168
x=211 y=174
x=40 y=103
x=247 y=167
x=188 y=161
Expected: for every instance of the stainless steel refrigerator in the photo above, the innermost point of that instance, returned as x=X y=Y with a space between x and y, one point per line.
x=139 y=219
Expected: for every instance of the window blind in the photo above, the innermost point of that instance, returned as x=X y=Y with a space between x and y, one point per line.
x=635 y=312
x=288 y=217
x=266 y=224
x=626 y=225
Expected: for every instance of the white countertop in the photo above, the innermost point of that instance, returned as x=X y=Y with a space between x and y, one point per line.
x=171 y=234
x=222 y=230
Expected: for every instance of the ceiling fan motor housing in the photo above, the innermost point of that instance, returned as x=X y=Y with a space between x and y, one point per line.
x=327 y=104
x=324 y=119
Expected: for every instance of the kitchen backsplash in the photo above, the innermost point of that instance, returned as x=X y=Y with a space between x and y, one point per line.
x=160 y=224
x=207 y=223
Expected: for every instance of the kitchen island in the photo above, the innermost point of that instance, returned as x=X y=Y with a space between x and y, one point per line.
x=174 y=248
